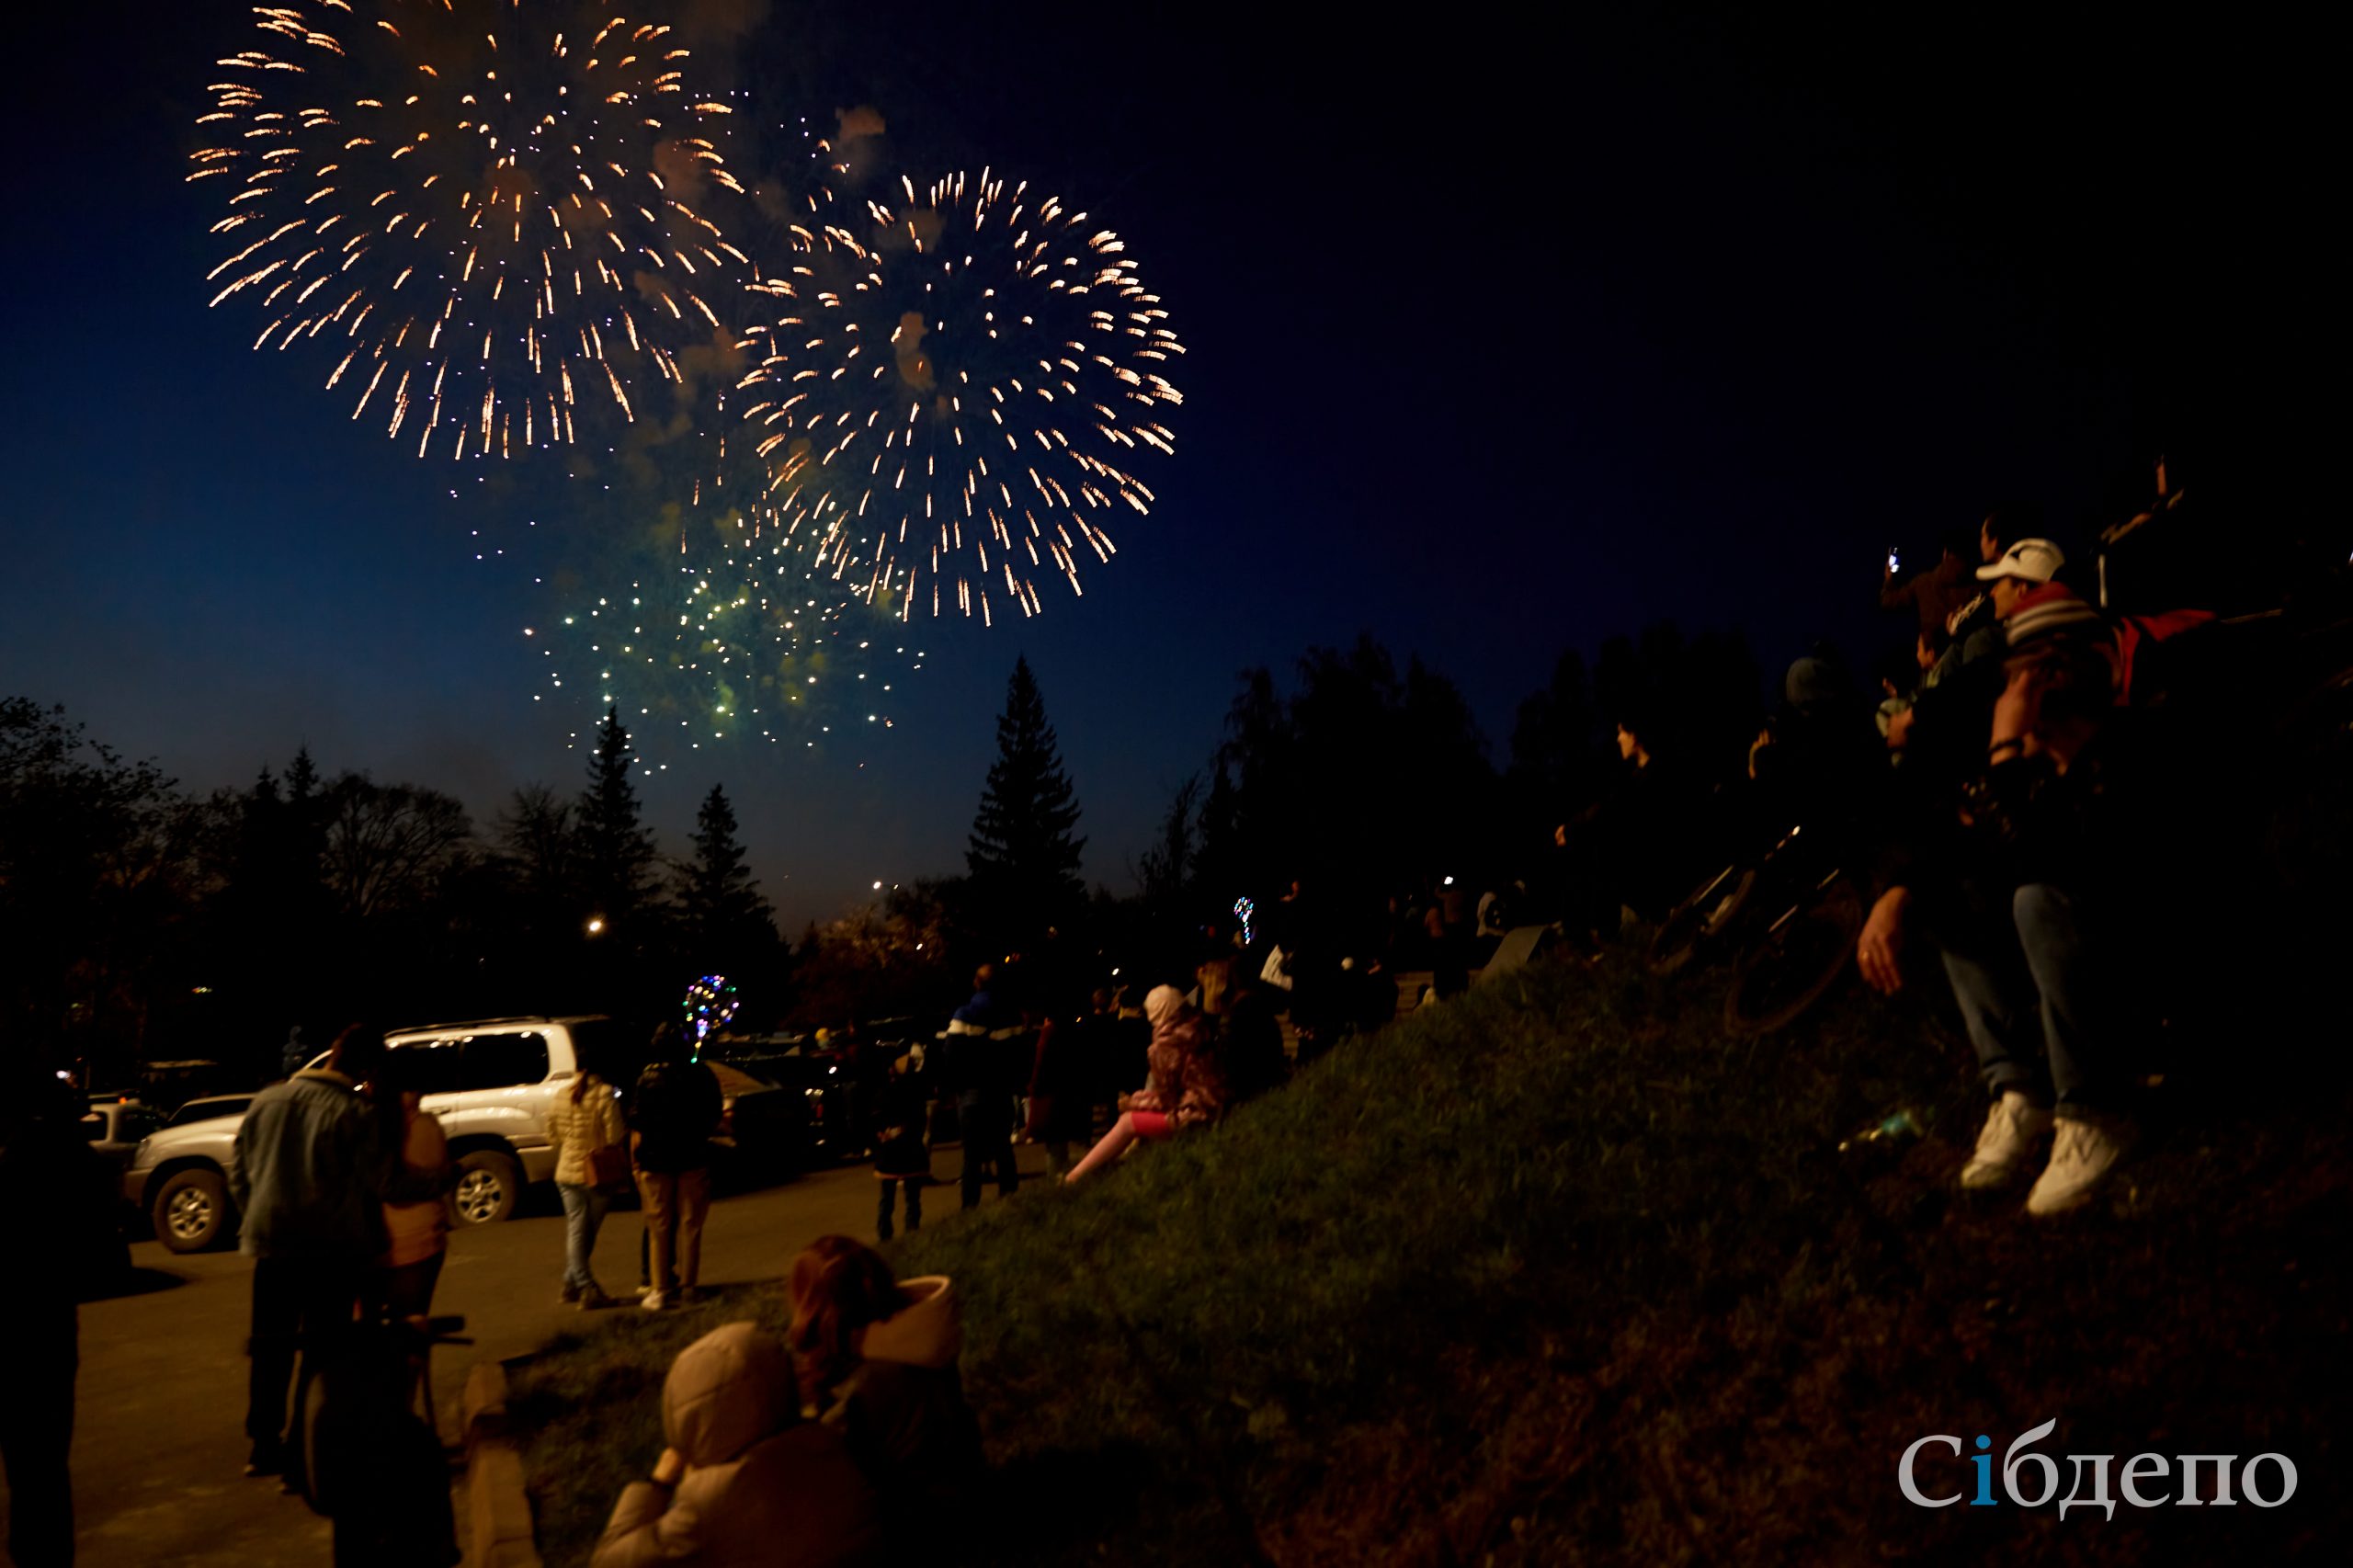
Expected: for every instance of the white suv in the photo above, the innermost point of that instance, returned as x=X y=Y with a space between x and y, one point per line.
x=491 y=1082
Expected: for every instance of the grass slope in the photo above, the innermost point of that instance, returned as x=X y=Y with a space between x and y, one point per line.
x=1555 y=1274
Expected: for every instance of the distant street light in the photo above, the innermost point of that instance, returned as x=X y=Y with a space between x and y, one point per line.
x=596 y=924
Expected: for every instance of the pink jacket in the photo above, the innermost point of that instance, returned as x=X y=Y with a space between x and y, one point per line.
x=1187 y=1082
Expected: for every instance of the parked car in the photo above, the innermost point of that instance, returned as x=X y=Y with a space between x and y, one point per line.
x=179 y=1178
x=489 y=1082
x=764 y=1128
x=115 y=1124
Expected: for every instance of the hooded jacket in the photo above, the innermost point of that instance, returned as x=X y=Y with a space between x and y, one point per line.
x=1189 y=1083
x=762 y=1488
x=902 y=1411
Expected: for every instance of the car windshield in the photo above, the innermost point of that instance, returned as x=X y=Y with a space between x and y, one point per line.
x=208 y=1110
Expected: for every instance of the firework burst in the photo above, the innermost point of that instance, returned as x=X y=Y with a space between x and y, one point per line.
x=950 y=392
x=497 y=212
x=673 y=609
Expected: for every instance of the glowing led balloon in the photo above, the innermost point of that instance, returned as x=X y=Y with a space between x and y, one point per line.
x=711 y=1003
x=952 y=389
x=498 y=217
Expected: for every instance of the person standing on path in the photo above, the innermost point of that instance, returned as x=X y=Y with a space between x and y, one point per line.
x=56 y=1190
x=1061 y=1113
x=902 y=1152
x=585 y=1128
x=417 y=1233
x=312 y=1168
x=294 y=1053
x=977 y=1039
x=677 y=1110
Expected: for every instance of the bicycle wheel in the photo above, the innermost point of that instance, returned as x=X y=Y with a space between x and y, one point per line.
x=1797 y=960
x=1699 y=919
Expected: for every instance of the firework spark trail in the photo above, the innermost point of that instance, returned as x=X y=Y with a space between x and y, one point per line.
x=508 y=203
x=952 y=388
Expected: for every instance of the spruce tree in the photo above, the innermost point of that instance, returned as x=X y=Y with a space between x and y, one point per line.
x=616 y=850
x=725 y=918
x=1023 y=857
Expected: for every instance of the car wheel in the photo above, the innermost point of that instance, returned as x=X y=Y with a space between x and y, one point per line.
x=488 y=1185
x=191 y=1211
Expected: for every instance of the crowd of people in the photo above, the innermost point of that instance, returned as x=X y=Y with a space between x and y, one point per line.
x=2002 y=791
x=2004 y=800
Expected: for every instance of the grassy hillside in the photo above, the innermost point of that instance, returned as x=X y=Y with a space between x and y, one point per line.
x=1555 y=1274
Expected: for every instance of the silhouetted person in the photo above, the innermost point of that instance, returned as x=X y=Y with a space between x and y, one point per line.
x=1060 y=1112
x=1932 y=596
x=54 y=1188
x=672 y=1118
x=1249 y=1036
x=295 y=1053
x=902 y=1144
x=977 y=1039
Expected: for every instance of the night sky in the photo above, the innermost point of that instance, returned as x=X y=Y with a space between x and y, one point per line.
x=1505 y=337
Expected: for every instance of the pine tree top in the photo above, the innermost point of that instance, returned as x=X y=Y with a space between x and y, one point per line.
x=1022 y=833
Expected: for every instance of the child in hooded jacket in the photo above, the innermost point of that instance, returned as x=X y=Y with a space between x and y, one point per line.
x=877 y=1361
x=746 y=1482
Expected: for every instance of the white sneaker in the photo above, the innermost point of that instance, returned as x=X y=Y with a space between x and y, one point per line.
x=654 y=1301
x=2011 y=1130
x=2081 y=1160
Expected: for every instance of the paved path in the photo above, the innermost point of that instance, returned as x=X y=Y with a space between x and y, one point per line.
x=159 y=1440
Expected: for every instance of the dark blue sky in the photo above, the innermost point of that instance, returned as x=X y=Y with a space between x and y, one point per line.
x=1501 y=341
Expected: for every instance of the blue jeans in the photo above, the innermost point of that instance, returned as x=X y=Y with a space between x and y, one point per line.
x=2038 y=967
x=583 y=1215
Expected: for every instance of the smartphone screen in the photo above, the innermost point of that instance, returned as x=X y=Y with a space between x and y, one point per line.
x=1892 y=565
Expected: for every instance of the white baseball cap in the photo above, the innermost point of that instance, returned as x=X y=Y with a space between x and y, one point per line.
x=2029 y=560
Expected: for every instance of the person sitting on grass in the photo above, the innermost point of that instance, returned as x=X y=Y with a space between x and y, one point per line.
x=2036 y=903
x=744 y=1482
x=1187 y=1088
x=876 y=1360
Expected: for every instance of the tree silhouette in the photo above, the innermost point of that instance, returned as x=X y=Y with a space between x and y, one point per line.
x=1023 y=857
x=1165 y=872
x=391 y=846
x=726 y=921
x=616 y=850
x=1360 y=779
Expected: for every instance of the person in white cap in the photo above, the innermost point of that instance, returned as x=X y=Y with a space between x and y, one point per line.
x=1938 y=734
x=2033 y=914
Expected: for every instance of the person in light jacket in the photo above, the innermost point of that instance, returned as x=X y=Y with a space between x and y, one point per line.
x=745 y=1482
x=582 y=1120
